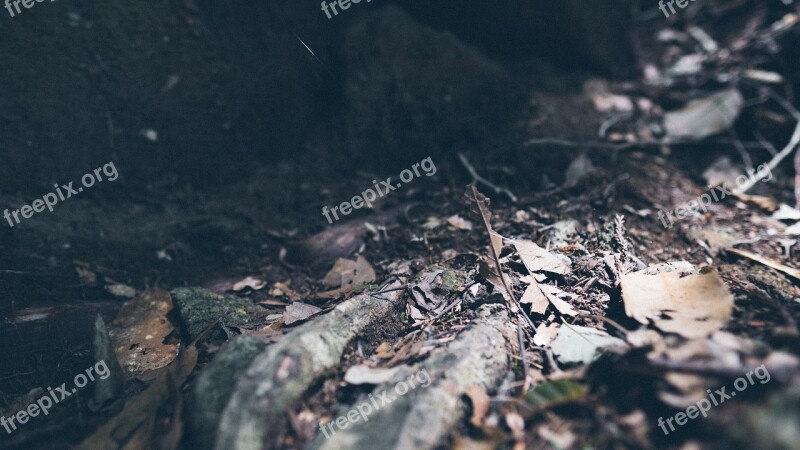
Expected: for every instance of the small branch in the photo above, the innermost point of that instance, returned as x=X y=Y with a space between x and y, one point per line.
x=475 y=177
x=793 y=143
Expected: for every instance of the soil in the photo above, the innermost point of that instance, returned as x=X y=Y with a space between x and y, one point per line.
x=241 y=168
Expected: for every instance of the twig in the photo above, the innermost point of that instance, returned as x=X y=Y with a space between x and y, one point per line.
x=475 y=177
x=793 y=143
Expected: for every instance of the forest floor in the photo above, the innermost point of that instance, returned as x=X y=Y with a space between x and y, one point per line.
x=565 y=309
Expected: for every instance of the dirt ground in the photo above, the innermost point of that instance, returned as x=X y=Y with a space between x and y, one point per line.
x=232 y=127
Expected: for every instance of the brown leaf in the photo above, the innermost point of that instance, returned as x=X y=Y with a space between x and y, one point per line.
x=539 y=295
x=535 y=297
x=86 y=276
x=133 y=427
x=139 y=330
x=249 y=282
x=537 y=259
x=694 y=305
x=459 y=223
x=480 y=404
x=298 y=311
x=349 y=273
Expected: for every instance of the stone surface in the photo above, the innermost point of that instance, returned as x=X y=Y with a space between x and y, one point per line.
x=215 y=385
x=198 y=308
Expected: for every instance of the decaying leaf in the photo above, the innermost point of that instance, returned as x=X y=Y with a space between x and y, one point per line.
x=577 y=344
x=85 y=275
x=537 y=259
x=133 y=427
x=349 y=273
x=139 y=331
x=459 y=223
x=535 y=297
x=480 y=206
x=480 y=404
x=489 y=272
x=249 y=282
x=545 y=334
x=694 y=305
x=298 y=311
x=540 y=295
x=555 y=393
x=121 y=290
x=705 y=117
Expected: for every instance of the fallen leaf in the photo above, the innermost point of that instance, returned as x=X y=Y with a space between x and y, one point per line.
x=537 y=259
x=121 y=290
x=459 y=223
x=384 y=351
x=133 y=426
x=559 y=438
x=786 y=212
x=249 y=282
x=298 y=311
x=340 y=274
x=535 y=297
x=539 y=295
x=139 y=330
x=577 y=344
x=693 y=306
x=704 y=117
x=545 y=334
x=347 y=273
x=480 y=404
x=86 y=276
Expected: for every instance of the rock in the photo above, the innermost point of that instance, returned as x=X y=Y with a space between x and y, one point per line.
x=277 y=380
x=573 y=32
x=414 y=92
x=198 y=308
x=214 y=388
x=424 y=416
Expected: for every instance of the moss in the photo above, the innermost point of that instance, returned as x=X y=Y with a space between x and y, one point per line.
x=198 y=308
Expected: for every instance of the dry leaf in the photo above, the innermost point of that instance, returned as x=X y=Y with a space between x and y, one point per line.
x=480 y=404
x=539 y=295
x=545 y=334
x=249 y=282
x=86 y=276
x=695 y=305
x=350 y=273
x=537 y=259
x=535 y=297
x=459 y=223
x=298 y=311
x=577 y=344
x=133 y=426
x=705 y=117
x=139 y=330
